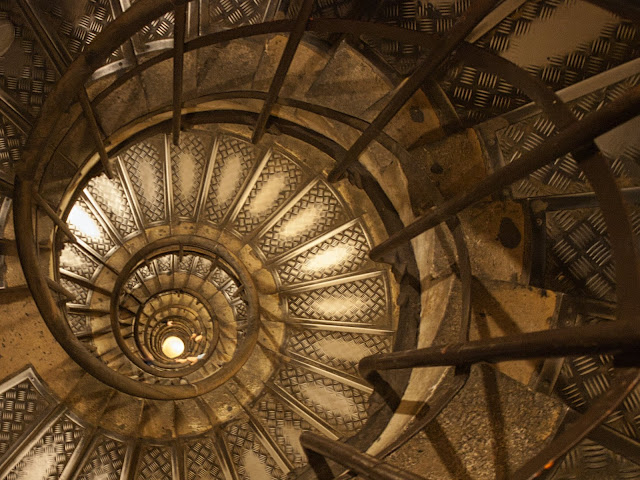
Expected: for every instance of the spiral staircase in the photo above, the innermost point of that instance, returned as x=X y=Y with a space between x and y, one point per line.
x=250 y=240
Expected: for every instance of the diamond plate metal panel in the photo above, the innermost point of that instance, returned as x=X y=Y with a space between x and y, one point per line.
x=202 y=461
x=159 y=29
x=78 y=23
x=187 y=162
x=219 y=277
x=79 y=324
x=145 y=167
x=563 y=175
x=112 y=200
x=360 y=301
x=85 y=226
x=284 y=426
x=252 y=460
x=581 y=381
x=344 y=252
x=592 y=461
x=164 y=264
x=155 y=463
x=105 y=460
x=278 y=180
x=185 y=264
x=233 y=161
x=341 y=406
x=76 y=261
x=21 y=405
x=340 y=350
x=25 y=72
x=81 y=294
x=433 y=17
x=227 y=14
x=579 y=255
x=203 y=267
x=477 y=96
x=11 y=143
x=48 y=457
x=317 y=212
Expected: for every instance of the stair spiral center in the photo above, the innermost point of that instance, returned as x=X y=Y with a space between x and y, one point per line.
x=154 y=302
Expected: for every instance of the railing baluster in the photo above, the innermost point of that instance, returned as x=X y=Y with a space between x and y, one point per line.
x=283 y=67
x=571 y=138
x=42 y=203
x=608 y=337
x=178 y=70
x=442 y=49
x=318 y=448
x=90 y=116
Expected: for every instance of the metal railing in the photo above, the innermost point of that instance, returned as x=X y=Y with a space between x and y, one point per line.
x=620 y=338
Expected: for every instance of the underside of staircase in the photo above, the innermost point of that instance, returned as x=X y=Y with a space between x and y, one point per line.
x=255 y=240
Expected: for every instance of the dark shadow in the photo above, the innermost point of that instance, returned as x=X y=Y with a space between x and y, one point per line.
x=446 y=451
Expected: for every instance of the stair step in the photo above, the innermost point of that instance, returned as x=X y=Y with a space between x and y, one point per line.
x=227 y=67
x=123 y=414
x=308 y=62
x=348 y=83
x=157 y=420
x=90 y=398
x=190 y=419
x=487 y=431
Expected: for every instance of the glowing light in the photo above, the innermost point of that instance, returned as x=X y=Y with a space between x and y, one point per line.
x=70 y=259
x=230 y=177
x=186 y=174
x=350 y=351
x=341 y=306
x=268 y=194
x=147 y=181
x=172 y=347
x=82 y=222
x=114 y=201
x=254 y=467
x=303 y=221
x=38 y=466
x=328 y=259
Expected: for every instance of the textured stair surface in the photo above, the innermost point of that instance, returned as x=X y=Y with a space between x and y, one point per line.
x=324 y=303
x=516 y=423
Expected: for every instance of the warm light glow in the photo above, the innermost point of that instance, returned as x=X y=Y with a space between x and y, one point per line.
x=268 y=195
x=81 y=221
x=303 y=221
x=172 y=347
x=341 y=306
x=230 y=178
x=328 y=259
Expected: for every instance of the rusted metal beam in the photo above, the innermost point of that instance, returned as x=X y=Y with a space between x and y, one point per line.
x=571 y=138
x=178 y=69
x=318 y=448
x=90 y=116
x=443 y=48
x=283 y=67
x=611 y=337
x=42 y=203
